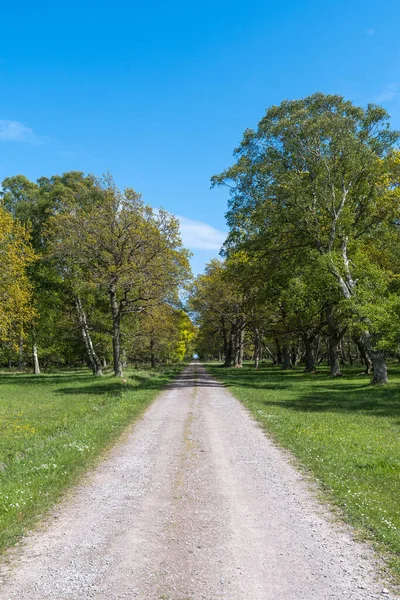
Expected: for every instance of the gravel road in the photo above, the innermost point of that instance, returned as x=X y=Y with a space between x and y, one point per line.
x=193 y=503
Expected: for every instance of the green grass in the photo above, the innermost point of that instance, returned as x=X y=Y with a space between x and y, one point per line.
x=344 y=431
x=53 y=427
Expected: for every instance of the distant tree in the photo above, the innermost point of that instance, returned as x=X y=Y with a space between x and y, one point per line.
x=162 y=333
x=220 y=306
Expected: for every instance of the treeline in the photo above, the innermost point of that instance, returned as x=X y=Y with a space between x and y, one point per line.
x=312 y=259
x=90 y=274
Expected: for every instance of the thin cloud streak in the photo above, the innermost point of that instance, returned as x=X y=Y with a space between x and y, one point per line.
x=15 y=131
x=391 y=92
x=197 y=235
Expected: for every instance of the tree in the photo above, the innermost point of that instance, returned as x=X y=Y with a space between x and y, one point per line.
x=318 y=173
x=163 y=334
x=121 y=247
x=222 y=306
x=53 y=290
x=16 y=255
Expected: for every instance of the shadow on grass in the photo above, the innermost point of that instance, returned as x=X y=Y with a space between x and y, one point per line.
x=324 y=402
x=116 y=388
x=24 y=379
x=113 y=386
x=107 y=389
x=156 y=379
x=318 y=393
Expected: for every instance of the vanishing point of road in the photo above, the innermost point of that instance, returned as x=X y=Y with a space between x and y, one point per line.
x=194 y=502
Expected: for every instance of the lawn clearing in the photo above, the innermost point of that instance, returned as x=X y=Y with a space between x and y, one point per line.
x=53 y=426
x=345 y=431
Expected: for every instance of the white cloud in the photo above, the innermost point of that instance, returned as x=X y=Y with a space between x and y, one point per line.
x=390 y=92
x=200 y=236
x=370 y=31
x=14 y=131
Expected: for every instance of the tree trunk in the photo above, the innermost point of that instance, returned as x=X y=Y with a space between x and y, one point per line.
x=152 y=355
x=335 y=336
x=227 y=350
x=124 y=361
x=349 y=352
x=257 y=347
x=309 y=353
x=94 y=360
x=295 y=353
x=380 y=376
x=286 y=359
x=317 y=345
x=342 y=353
x=278 y=360
x=333 y=344
x=358 y=355
x=116 y=321
x=239 y=345
x=36 y=366
x=230 y=347
x=268 y=352
x=365 y=356
x=229 y=354
x=21 y=352
x=379 y=370
x=236 y=346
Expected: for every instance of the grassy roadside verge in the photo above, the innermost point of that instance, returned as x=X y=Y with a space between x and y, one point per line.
x=344 y=431
x=53 y=427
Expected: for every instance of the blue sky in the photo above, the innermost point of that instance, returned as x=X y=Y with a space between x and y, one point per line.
x=159 y=93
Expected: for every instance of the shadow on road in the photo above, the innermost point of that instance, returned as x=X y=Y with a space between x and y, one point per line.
x=193 y=377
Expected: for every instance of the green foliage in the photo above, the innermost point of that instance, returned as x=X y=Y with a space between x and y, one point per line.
x=16 y=255
x=113 y=244
x=91 y=238
x=114 y=240
x=316 y=168
x=32 y=204
x=162 y=334
x=313 y=220
x=218 y=304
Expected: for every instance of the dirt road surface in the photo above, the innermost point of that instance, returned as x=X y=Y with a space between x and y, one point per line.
x=194 y=503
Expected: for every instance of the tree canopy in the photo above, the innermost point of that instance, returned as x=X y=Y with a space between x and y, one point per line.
x=106 y=265
x=313 y=210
